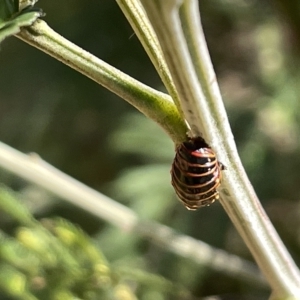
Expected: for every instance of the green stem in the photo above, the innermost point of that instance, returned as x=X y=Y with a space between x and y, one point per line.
x=155 y=105
x=161 y=15
x=139 y=21
x=188 y=58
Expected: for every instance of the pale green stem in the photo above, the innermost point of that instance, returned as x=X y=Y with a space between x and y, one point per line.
x=155 y=105
x=139 y=21
x=204 y=110
x=178 y=60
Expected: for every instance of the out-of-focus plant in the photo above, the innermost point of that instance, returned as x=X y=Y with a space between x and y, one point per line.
x=54 y=259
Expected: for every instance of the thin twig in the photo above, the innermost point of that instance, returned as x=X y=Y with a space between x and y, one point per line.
x=32 y=168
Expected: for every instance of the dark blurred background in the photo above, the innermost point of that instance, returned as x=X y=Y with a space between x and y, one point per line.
x=99 y=139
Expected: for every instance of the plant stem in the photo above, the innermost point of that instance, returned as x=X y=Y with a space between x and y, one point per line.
x=189 y=62
x=155 y=105
x=178 y=60
x=32 y=168
x=139 y=21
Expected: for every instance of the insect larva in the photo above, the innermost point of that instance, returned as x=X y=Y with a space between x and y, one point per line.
x=196 y=173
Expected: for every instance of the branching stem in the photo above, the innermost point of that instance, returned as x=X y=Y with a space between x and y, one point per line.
x=181 y=37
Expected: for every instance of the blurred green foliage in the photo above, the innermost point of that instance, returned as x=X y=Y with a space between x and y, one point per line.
x=99 y=139
x=54 y=259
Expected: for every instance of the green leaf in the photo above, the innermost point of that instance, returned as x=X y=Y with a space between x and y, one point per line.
x=11 y=20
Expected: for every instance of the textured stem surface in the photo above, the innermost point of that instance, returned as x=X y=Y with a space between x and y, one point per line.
x=181 y=36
